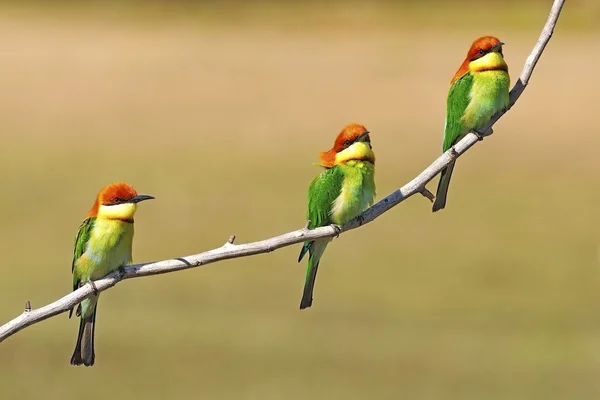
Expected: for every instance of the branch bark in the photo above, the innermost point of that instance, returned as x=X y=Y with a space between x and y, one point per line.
x=229 y=250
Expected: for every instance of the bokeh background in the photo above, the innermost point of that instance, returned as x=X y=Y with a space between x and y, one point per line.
x=219 y=110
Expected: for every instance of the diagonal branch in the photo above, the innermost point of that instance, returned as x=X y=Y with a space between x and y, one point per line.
x=230 y=250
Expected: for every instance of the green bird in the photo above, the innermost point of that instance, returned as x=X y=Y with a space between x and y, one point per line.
x=337 y=195
x=478 y=90
x=102 y=245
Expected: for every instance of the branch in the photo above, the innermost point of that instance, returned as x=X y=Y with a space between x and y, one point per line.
x=230 y=250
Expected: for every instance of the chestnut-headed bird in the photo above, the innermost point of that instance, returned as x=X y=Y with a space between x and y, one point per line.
x=338 y=194
x=102 y=245
x=478 y=90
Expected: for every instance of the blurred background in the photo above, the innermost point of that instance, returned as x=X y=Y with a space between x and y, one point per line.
x=219 y=109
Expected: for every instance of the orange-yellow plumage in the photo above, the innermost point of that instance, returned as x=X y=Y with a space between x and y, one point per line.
x=347 y=135
x=479 y=45
x=108 y=194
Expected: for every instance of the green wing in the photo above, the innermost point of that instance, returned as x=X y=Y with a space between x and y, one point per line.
x=459 y=97
x=322 y=192
x=83 y=236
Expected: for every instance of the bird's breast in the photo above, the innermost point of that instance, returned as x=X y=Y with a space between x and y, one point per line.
x=357 y=193
x=109 y=246
x=489 y=95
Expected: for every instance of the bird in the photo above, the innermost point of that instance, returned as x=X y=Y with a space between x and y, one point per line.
x=478 y=90
x=338 y=194
x=103 y=244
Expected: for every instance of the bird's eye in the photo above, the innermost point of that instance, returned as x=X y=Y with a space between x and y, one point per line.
x=347 y=143
x=117 y=200
x=481 y=52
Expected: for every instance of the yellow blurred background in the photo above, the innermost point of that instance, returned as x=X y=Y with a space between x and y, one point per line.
x=219 y=111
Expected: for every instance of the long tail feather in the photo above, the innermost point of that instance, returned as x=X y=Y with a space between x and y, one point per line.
x=84 y=348
x=309 y=286
x=442 y=189
x=317 y=248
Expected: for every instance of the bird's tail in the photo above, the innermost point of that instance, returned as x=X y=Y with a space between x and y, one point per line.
x=316 y=250
x=84 y=349
x=442 y=189
x=309 y=285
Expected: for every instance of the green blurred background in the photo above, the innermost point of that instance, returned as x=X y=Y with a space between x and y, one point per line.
x=219 y=110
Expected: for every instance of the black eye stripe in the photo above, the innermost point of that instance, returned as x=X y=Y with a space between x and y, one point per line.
x=479 y=54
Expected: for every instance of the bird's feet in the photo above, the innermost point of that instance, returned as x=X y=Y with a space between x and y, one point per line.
x=94 y=288
x=482 y=135
x=360 y=219
x=121 y=270
x=338 y=230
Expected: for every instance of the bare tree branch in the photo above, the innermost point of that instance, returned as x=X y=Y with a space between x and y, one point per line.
x=230 y=250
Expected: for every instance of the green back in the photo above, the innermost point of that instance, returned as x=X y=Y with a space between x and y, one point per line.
x=81 y=240
x=459 y=97
x=322 y=192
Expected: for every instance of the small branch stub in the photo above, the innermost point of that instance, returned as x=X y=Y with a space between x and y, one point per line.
x=427 y=194
x=27 y=306
x=231 y=239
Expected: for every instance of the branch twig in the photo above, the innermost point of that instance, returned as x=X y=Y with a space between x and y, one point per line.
x=231 y=250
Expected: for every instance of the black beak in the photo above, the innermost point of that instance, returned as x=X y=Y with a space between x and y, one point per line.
x=496 y=47
x=140 y=197
x=362 y=137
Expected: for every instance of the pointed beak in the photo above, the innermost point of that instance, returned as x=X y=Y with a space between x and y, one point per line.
x=497 y=47
x=140 y=197
x=362 y=137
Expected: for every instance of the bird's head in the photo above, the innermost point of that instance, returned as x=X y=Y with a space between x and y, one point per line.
x=352 y=143
x=485 y=54
x=117 y=201
x=483 y=46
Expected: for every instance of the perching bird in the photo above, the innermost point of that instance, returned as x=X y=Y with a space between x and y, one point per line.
x=478 y=90
x=102 y=245
x=338 y=194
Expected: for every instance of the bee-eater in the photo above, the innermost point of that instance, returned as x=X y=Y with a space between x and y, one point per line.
x=102 y=245
x=478 y=90
x=338 y=194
